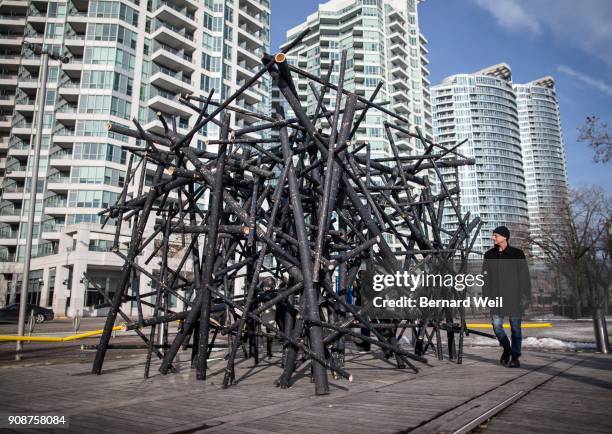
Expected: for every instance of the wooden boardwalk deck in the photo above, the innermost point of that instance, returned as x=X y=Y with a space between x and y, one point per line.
x=552 y=392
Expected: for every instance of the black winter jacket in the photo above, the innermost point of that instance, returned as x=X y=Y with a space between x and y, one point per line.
x=506 y=275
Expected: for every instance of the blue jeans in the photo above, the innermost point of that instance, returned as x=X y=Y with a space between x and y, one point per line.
x=515 y=327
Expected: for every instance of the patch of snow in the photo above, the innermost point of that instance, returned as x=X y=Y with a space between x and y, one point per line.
x=551 y=317
x=406 y=340
x=540 y=343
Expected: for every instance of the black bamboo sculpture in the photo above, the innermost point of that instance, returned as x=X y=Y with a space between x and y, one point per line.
x=301 y=205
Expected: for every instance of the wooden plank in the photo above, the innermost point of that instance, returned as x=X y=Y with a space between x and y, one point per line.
x=461 y=416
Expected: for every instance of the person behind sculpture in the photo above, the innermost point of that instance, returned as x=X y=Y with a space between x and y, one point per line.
x=506 y=275
x=358 y=289
x=267 y=290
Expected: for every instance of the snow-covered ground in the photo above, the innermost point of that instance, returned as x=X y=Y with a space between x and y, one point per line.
x=533 y=342
x=565 y=335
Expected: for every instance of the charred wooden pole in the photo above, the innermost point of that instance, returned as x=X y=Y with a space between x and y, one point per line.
x=310 y=294
x=215 y=204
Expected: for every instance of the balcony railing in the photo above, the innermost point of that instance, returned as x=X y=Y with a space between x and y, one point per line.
x=21 y=124
x=71 y=84
x=154 y=91
x=64 y=132
x=180 y=53
x=174 y=74
x=64 y=154
x=58 y=180
x=7 y=257
x=15 y=167
x=13 y=187
x=54 y=202
x=181 y=31
x=8 y=233
x=159 y=3
x=67 y=109
x=25 y=101
x=53 y=227
x=45 y=249
x=8 y=211
x=11 y=17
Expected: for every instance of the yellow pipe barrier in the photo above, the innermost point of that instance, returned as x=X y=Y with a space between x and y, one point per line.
x=7 y=338
x=532 y=325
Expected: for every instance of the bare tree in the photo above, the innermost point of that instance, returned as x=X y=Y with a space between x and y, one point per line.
x=598 y=136
x=579 y=246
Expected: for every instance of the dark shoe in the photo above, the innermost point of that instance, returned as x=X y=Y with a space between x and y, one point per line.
x=505 y=357
x=363 y=346
x=514 y=363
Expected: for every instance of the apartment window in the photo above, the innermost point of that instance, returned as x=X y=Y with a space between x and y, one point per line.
x=51 y=287
x=91 y=198
x=99 y=55
x=105 y=283
x=100 y=245
x=98 y=175
x=227 y=52
x=91 y=128
x=229 y=14
x=211 y=63
x=125 y=60
x=40 y=185
x=210 y=42
x=97 y=79
x=370 y=82
x=123 y=83
x=113 y=9
x=228 y=33
x=214 y=24
x=73 y=219
x=227 y=72
x=121 y=108
x=54 y=30
x=50 y=97
x=94 y=104
x=217 y=24
x=372 y=70
x=99 y=151
x=207 y=83
x=35 y=229
x=102 y=32
x=55 y=10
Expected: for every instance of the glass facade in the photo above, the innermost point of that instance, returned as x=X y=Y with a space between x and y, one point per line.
x=543 y=156
x=383 y=43
x=127 y=60
x=481 y=109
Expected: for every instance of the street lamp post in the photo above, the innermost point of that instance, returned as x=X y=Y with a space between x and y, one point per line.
x=40 y=116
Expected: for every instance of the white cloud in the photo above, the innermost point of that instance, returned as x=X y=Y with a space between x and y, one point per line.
x=595 y=83
x=585 y=25
x=510 y=14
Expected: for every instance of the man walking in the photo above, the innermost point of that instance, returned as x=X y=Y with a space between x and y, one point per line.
x=506 y=275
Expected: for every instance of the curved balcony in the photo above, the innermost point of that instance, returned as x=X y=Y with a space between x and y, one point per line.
x=170 y=57
x=170 y=35
x=170 y=80
x=174 y=14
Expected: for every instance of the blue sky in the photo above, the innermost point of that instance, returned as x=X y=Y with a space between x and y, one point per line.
x=569 y=40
